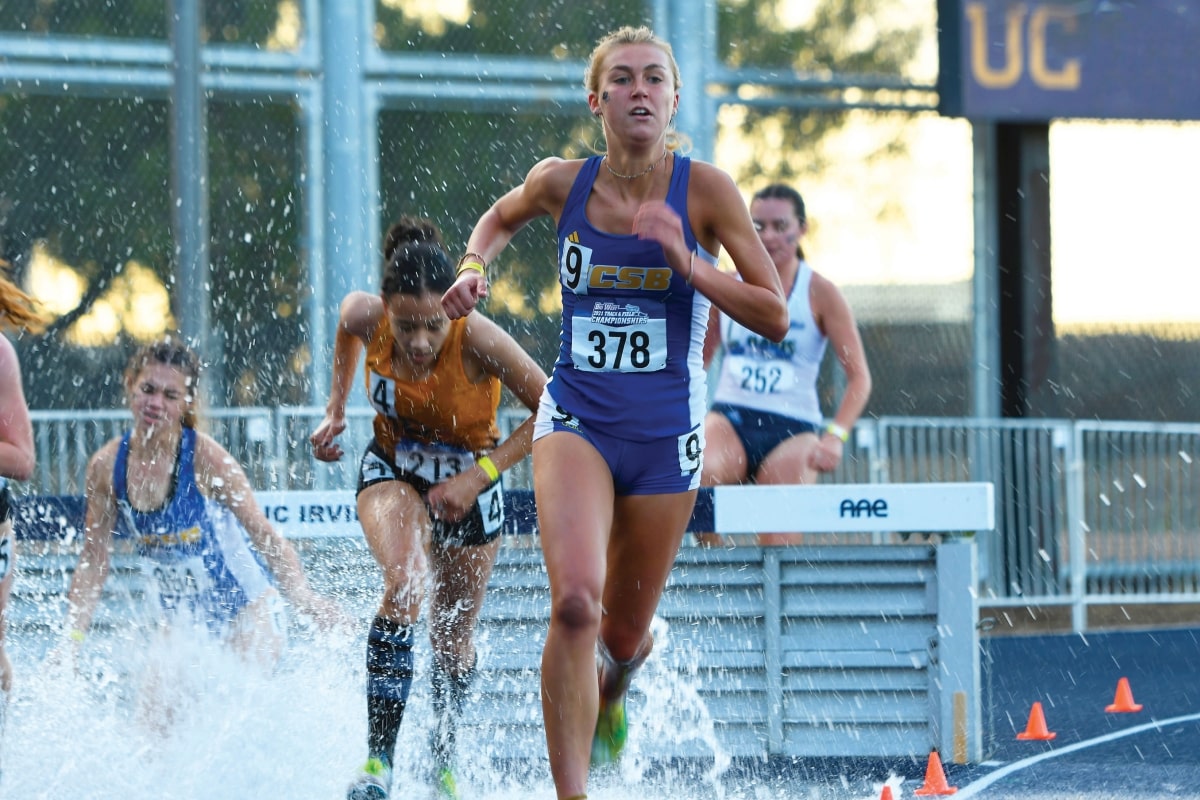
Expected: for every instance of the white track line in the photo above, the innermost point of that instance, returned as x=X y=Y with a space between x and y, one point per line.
x=975 y=788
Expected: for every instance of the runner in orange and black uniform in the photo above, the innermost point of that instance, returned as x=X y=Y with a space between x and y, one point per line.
x=448 y=412
x=429 y=493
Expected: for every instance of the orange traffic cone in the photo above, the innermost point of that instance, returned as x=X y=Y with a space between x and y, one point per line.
x=935 y=778
x=1036 y=728
x=1123 y=702
x=886 y=794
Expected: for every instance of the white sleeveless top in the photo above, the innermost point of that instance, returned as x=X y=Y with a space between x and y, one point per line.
x=778 y=378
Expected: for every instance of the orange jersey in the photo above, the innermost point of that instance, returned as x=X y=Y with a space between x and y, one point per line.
x=443 y=408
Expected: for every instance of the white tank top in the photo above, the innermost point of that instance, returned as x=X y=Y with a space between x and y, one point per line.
x=778 y=378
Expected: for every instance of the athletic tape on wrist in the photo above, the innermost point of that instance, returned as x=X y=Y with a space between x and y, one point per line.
x=488 y=466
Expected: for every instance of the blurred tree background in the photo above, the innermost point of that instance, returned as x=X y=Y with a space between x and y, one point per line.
x=500 y=148
x=86 y=196
x=86 y=206
x=86 y=200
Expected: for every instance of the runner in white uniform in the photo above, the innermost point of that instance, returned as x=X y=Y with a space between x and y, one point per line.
x=778 y=378
x=765 y=425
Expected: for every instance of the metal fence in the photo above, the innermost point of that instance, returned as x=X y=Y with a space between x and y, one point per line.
x=271 y=445
x=1087 y=512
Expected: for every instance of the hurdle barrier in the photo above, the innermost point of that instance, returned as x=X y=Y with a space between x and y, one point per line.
x=814 y=650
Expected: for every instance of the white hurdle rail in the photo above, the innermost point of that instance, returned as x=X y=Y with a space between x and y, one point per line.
x=828 y=508
x=855 y=508
x=822 y=649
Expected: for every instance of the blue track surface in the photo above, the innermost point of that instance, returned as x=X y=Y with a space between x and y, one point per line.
x=1095 y=755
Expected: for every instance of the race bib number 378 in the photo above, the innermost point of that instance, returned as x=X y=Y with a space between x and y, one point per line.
x=618 y=337
x=615 y=335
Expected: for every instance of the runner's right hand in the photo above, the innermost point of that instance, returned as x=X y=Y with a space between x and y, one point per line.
x=324 y=438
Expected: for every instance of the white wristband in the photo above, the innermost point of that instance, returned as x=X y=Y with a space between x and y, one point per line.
x=838 y=431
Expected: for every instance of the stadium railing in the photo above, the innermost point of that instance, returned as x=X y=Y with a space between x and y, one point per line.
x=1087 y=512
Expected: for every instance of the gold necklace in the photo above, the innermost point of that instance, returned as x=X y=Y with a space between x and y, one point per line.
x=646 y=171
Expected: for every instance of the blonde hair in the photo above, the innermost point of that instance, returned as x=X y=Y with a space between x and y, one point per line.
x=17 y=308
x=631 y=35
x=173 y=352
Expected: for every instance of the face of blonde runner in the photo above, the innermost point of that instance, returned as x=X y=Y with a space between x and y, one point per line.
x=159 y=397
x=637 y=97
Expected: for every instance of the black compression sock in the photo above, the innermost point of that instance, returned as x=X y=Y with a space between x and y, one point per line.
x=449 y=696
x=389 y=679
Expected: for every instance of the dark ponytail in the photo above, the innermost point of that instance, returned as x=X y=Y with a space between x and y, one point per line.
x=414 y=259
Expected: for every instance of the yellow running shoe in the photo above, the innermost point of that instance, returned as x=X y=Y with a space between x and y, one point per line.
x=612 y=730
x=445 y=786
x=374 y=782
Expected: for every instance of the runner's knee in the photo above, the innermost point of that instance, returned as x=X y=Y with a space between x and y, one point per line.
x=576 y=611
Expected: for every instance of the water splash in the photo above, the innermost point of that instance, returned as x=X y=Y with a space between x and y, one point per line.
x=233 y=729
x=236 y=730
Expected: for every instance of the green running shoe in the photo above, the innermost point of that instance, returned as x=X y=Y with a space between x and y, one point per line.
x=374 y=781
x=445 y=787
x=612 y=730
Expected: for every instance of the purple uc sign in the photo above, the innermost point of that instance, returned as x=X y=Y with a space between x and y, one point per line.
x=1003 y=60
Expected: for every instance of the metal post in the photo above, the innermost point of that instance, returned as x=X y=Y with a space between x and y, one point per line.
x=693 y=37
x=1077 y=531
x=312 y=121
x=189 y=177
x=773 y=657
x=960 y=724
x=985 y=367
x=349 y=257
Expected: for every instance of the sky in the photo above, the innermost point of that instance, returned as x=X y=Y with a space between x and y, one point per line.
x=1122 y=206
x=1123 y=214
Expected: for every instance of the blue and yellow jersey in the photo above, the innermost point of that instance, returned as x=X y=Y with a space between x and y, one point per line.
x=631 y=355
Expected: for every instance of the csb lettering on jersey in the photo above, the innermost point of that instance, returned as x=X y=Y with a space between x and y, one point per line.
x=615 y=334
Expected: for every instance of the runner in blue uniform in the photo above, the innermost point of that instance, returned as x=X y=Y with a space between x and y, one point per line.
x=16 y=450
x=208 y=554
x=618 y=442
x=766 y=425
